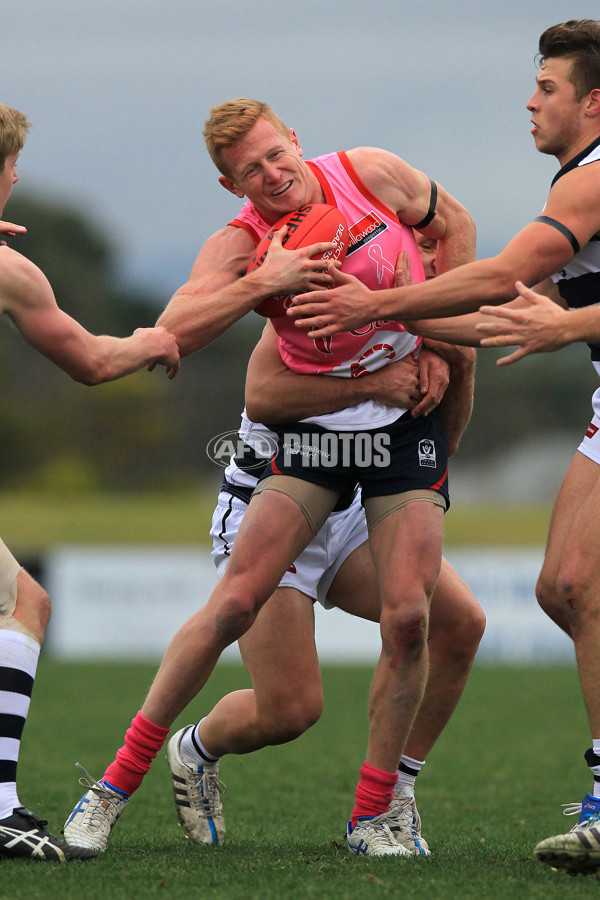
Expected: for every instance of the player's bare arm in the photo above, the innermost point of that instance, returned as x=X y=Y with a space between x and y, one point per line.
x=214 y=296
x=275 y=393
x=27 y=298
x=537 y=251
x=408 y=192
x=218 y=292
x=266 y=402
x=574 y=202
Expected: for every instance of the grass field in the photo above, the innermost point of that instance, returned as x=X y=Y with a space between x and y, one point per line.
x=491 y=789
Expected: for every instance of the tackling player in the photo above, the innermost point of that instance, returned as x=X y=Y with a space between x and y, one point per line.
x=261 y=159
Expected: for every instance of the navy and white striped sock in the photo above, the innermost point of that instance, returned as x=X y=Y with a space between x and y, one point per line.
x=592 y=758
x=408 y=770
x=192 y=750
x=19 y=656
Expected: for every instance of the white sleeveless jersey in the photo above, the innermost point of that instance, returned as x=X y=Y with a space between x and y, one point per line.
x=579 y=281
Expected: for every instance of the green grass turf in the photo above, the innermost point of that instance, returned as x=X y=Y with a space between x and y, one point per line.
x=34 y=522
x=491 y=789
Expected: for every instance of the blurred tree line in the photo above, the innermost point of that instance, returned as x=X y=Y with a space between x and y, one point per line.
x=147 y=432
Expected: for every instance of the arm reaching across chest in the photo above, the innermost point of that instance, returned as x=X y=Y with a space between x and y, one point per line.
x=219 y=292
x=276 y=394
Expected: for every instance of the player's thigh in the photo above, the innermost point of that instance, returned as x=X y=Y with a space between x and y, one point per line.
x=354 y=588
x=407 y=550
x=578 y=485
x=454 y=608
x=279 y=650
x=580 y=556
x=272 y=533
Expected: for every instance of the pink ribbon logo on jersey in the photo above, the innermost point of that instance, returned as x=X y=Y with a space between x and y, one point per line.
x=376 y=254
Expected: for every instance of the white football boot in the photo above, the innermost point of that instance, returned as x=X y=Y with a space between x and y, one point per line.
x=577 y=851
x=196 y=791
x=405 y=821
x=371 y=836
x=92 y=820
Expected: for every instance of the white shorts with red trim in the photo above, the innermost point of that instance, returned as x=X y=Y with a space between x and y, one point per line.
x=590 y=445
x=316 y=567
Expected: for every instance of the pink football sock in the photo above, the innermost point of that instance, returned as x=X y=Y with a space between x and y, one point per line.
x=374 y=792
x=143 y=740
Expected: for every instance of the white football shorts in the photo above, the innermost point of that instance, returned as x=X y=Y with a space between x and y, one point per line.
x=316 y=567
x=9 y=569
x=590 y=445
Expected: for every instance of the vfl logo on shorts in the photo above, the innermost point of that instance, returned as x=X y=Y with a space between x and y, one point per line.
x=592 y=429
x=427 y=454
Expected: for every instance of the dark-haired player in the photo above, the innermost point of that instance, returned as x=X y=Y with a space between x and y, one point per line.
x=560 y=252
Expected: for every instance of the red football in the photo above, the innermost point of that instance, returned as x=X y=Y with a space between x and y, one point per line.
x=310 y=224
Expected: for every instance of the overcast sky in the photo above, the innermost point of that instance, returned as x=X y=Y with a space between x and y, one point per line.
x=118 y=91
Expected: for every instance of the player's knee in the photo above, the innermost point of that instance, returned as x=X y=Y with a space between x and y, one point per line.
x=44 y=608
x=235 y=615
x=404 y=631
x=546 y=594
x=471 y=629
x=561 y=612
x=240 y=597
x=476 y=625
x=576 y=590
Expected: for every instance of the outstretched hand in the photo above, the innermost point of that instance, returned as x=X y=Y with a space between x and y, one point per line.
x=10 y=229
x=341 y=308
x=536 y=327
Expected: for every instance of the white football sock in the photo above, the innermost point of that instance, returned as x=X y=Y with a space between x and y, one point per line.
x=408 y=770
x=192 y=750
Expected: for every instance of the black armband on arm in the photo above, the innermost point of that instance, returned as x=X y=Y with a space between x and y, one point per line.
x=566 y=232
x=432 y=205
